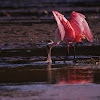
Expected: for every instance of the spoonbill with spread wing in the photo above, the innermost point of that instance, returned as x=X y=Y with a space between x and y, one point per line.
x=70 y=31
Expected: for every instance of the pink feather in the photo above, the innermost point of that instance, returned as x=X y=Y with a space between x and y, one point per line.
x=80 y=25
x=61 y=29
x=66 y=31
x=72 y=30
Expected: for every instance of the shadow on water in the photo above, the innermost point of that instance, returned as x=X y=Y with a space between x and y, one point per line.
x=50 y=74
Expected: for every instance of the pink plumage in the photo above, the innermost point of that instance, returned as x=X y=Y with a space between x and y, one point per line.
x=74 y=29
x=66 y=31
x=58 y=18
x=80 y=25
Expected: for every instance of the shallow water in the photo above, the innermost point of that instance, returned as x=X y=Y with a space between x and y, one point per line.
x=30 y=77
x=25 y=75
x=59 y=81
x=56 y=73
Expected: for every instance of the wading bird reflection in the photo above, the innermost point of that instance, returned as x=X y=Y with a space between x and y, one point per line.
x=70 y=31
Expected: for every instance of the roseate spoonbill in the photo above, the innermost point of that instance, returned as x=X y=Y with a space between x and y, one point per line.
x=70 y=31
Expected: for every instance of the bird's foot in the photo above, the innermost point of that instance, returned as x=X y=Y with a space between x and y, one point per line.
x=49 y=61
x=75 y=60
x=66 y=58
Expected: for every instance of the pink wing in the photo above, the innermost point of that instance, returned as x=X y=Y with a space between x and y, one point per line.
x=58 y=18
x=87 y=31
x=65 y=29
x=80 y=25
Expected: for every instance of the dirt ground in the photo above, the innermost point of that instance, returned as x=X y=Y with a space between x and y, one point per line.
x=51 y=92
x=37 y=33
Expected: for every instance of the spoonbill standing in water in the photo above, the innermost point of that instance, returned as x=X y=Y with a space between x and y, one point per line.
x=70 y=31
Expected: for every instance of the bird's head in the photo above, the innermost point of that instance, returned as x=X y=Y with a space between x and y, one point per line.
x=79 y=37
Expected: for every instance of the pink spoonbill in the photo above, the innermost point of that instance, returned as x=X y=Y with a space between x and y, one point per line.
x=70 y=31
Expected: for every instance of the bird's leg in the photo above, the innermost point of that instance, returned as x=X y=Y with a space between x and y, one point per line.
x=49 y=54
x=74 y=50
x=49 y=47
x=67 y=53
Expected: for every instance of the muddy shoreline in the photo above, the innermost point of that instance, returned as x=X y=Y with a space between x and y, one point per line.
x=33 y=34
